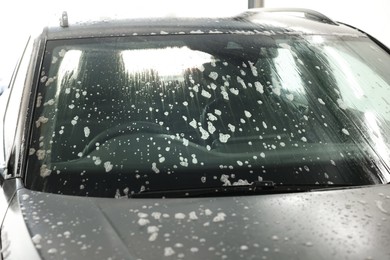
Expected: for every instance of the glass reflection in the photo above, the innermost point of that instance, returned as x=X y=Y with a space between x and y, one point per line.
x=169 y=62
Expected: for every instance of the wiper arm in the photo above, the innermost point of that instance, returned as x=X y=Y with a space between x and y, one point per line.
x=256 y=188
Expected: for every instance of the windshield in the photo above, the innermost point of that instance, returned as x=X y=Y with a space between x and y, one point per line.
x=121 y=115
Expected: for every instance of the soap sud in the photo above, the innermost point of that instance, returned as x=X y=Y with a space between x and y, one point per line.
x=223 y=138
x=180 y=216
x=220 y=217
x=87 y=131
x=108 y=166
x=168 y=251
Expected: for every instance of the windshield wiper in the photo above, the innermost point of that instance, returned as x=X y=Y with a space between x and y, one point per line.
x=256 y=188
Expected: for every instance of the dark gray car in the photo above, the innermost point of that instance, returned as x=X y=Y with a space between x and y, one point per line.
x=260 y=136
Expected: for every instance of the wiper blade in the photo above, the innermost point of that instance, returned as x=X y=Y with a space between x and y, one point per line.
x=256 y=188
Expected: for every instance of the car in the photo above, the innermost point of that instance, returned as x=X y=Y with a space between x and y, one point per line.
x=259 y=136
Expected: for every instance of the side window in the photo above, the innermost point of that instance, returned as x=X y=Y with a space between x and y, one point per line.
x=14 y=101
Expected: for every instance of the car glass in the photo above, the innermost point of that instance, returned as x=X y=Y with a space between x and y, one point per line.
x=12 y=101
x=120 y=115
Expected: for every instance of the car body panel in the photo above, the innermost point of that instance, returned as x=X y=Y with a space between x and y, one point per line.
x=263 y=24
x=334 y=224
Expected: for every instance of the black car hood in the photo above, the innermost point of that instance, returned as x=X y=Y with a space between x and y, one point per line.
x=332 y=224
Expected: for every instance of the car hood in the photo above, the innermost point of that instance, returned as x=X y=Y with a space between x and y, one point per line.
x=332 y=224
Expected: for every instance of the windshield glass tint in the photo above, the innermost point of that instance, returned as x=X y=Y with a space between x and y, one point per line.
x=117 y=116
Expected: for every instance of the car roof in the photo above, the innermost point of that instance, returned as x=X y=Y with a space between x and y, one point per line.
x=257 y=21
